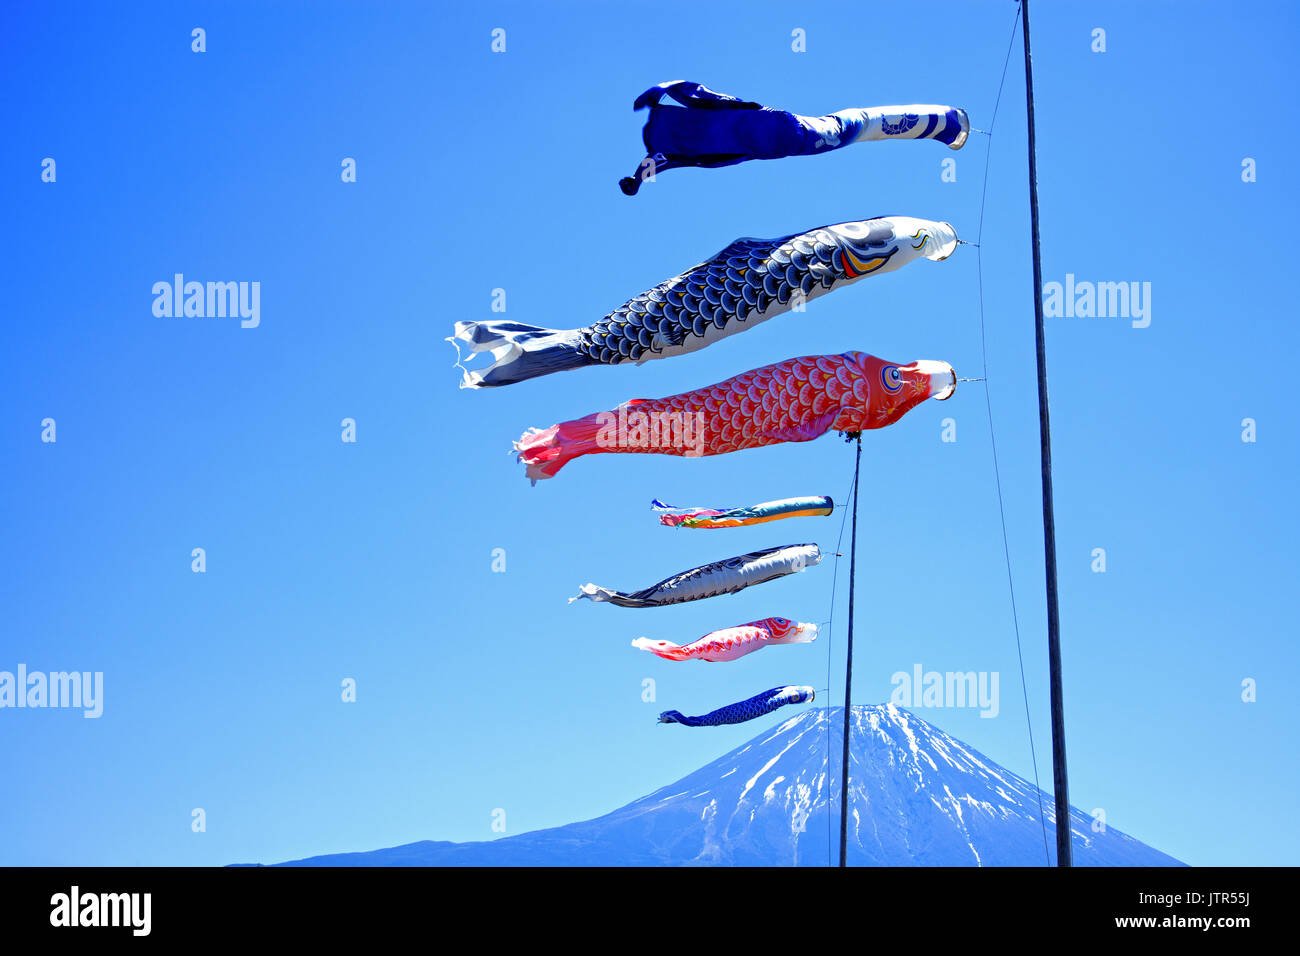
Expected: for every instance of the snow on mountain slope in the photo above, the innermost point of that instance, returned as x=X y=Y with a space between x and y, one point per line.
x=917 y=797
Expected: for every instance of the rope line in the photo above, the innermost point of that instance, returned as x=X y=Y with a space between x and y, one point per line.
x=993 y=443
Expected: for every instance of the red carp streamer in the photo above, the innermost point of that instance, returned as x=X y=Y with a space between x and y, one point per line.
x=731 y=643
x=796 y=400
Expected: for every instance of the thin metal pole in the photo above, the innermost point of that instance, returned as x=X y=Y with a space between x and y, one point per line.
x=848 y=664
x=1060 y=780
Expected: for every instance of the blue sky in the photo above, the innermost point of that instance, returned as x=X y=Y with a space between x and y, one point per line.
x=373 y=561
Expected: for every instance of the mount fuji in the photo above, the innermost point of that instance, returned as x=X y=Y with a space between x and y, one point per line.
x=918 y=797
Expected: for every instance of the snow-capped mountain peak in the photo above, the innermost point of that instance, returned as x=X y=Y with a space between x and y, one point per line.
x=918 y=796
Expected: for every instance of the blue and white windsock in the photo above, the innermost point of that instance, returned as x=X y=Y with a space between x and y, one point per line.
x=713 y=129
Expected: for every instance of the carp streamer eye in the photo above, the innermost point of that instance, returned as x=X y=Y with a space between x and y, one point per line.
x=891 y=378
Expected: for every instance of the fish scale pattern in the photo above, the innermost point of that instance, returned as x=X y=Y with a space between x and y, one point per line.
x=743 y=281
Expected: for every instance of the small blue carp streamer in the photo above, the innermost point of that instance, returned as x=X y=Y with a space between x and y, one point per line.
x=738 y=713
x=711 y=129
x=718 y=577
x=675 y=517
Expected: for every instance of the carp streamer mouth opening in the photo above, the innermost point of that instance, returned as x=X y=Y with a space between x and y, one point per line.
x=951 y=246
x=960 y=139
x=942 y=376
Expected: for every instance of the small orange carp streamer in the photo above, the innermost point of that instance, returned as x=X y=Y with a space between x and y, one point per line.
x=732 y=643
x=675 y=517
x=796 y=400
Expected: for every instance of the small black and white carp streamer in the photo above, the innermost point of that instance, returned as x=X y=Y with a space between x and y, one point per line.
x=720 y=577
x=746 y=283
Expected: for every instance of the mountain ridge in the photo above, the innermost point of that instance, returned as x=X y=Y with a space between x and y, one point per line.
x=918 y=797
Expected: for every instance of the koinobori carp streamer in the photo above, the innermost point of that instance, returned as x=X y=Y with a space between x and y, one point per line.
x=746 y=283
x=744 y=710
x=674 y=517
x=713 y=129
x=796 y=400
x=719 y=577
x=731 y=643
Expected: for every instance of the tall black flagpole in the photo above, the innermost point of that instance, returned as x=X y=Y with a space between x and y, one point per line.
x=848 y=664
x=1059 y=777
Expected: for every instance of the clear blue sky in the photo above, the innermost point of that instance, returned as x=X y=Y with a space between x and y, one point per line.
x=481 y=690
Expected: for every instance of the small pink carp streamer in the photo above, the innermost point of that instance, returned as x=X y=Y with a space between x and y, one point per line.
x=732 y=643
